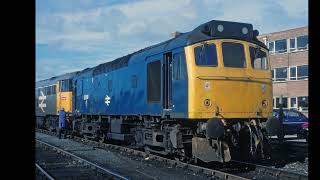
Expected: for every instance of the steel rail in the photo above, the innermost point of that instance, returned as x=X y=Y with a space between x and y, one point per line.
x=82 y=160
x=210 y=172
x=197 y=169
x=44 y=172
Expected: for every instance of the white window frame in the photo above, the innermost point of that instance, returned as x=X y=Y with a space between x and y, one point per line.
x=299 y=106
x=306 y=77
x=290 y=73
x=275 y=101
x=293 y=107
x=275 y=75
x=297 y=43
x=296 y=75
x=272 y=52
x=276 y=52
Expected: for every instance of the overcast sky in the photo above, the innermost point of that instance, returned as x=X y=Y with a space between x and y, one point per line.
x=72 y=35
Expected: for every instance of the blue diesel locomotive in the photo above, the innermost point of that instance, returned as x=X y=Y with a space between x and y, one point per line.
x=202 y=95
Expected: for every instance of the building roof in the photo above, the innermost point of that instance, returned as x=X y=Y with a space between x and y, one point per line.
x=283 y=31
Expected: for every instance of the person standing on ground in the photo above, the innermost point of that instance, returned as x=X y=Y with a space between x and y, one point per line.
x=62 y=119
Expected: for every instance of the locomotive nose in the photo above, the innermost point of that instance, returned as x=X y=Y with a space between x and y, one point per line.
x=234 y=98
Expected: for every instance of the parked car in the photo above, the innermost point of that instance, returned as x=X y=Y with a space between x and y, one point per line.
x=304 y=132
x=292 y=123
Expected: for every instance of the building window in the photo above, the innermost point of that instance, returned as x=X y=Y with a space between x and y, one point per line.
x=303 y=103
x=293 y=73
x=293 y=103
x=292 y=44
x=271 y=47
x=206 y=55
x=273 y=103
x=302 y=42
x=258 y=58
x=281 y=45
x=284 y=102
x=281 y=74
x=299 y=72
x=273 y=74
x=302 y=72
x=233 y=55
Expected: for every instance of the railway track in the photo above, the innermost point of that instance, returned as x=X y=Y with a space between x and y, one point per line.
x=55 y=163
x=255 y=172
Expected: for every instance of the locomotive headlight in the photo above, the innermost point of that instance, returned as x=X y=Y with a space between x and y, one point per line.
x=244 y=30
x=264 y=103
x=220 y=28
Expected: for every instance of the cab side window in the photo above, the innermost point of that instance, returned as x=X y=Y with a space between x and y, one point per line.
x=258 y=58
x=54 y=89
x=206 y=55
x=66 y=85
x=178 y=66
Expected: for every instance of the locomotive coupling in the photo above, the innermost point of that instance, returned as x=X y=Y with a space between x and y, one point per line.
x=209 y=150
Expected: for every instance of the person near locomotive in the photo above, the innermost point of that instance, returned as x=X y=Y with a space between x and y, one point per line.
x=62 y=123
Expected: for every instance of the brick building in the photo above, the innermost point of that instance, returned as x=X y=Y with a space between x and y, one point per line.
x=289 y=62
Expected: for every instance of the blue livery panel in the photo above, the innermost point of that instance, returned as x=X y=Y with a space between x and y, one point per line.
x=124 y=91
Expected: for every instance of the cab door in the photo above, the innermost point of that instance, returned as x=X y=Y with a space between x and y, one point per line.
x=167 y=81
x=179 y=90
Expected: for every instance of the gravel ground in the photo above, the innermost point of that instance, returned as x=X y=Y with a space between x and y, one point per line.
x=137 y=167
x=297 y=167
x=293 y=159
x=130 y=166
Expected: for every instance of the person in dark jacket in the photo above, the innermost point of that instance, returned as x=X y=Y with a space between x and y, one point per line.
x=62 y=123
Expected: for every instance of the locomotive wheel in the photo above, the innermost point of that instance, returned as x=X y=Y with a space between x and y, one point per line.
x=244 y=143
x=267 y=150
x=250 y=145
